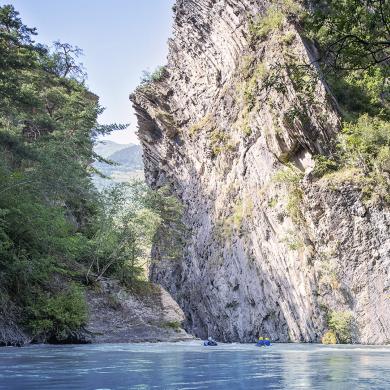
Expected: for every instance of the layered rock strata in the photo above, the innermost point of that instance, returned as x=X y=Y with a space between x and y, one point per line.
x=266 y=253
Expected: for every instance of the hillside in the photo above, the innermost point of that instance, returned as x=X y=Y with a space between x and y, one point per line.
x=107 y=148
x=72 y=258
x=128 y=163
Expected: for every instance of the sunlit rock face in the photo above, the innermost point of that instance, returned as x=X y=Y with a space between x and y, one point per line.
x=254 y=262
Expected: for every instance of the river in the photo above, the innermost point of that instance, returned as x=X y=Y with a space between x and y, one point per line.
x=189 y=365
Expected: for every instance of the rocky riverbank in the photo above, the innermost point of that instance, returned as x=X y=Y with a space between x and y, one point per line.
x=115 y=315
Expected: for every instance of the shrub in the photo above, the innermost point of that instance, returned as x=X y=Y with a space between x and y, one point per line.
x=362 y=156
x=251 y=87
x=272 y=202
x=220 y=142
x=324 y=165
x=340 y=322
x=291 y=177
x=175 y=325
x=288 y=38
x=293 y=241
x=246 y=67
x=263 y=25
x=329 y=338
x=275 y=17
x=58 y=315
x=365 y=143
x=240 y=212
x=201 y=124
x=157 y=75
x=360 y=92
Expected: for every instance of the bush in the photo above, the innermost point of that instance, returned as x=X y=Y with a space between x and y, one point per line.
x=220 y=142
x=251 y=88
x=293 y=241
x=157 y=75
x=363 y=154
x=58 y=315
x=324 y=165
x=263 y=25
x=340 y=322
x=360 y=92
x=242 y=211
x=329 y=338
x=365 y=143
x=203 y=123
x=175 y=325
x=292 y=177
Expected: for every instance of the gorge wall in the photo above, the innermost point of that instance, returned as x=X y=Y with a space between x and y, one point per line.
x=269 y=249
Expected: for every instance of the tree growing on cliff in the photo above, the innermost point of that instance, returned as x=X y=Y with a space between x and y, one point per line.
x=352 y=34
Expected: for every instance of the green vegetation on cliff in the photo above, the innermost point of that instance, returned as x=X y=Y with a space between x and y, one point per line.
x=353 y=42
x=354 y=53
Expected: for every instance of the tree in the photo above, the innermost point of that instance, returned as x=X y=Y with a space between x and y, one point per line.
x=352 y=34
x=65 y=61
x=129 y=218
x=48 y=204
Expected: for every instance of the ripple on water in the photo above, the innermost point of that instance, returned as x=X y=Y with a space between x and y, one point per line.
x=190 y=365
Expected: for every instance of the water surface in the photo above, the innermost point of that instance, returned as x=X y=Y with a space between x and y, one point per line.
x=191 y=366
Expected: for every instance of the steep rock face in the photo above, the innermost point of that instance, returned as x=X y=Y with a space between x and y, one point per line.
x=218 y=136
x=118 y=316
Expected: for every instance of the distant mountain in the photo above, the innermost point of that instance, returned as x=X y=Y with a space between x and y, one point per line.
x=107 y=148
x=129 y=160
x=130 y=157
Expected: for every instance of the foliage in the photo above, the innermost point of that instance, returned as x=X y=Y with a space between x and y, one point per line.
x=361 y=91
x=46 y=116
x=157 y=75
x=201 y=124
x=263 y=25
x=274 y=18
x=329 y=338
x=220 y=141
x=341 y=323
x=293 y=241
x=241 y=212
x=170 y=231
x=252 y=86
x=114 y=248
x=363 y=146
x=175 y=325
x=272 y=202
x=50 y=212
x=288 y=38
x=324 y=165
x=291 y=177
x=127 y=221
x=366 y=144
x=59 y=314
x=353 y=40
x=352 y=34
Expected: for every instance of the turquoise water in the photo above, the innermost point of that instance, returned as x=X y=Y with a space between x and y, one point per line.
x=191 y=366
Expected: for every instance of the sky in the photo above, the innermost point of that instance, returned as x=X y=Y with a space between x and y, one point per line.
x=120 y=39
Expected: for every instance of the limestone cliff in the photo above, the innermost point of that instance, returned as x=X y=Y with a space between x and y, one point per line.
x=120 y=316
x=263 y=256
